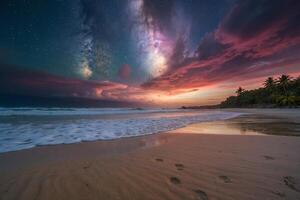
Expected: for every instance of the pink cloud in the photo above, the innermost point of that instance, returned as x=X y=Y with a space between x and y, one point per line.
x=244 y=46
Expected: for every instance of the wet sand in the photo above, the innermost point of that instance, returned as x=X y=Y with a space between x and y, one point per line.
x=229 y=159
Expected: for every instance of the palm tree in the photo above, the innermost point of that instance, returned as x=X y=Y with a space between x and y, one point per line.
x=284 y=81
x=297 y=86
x=286 y=100
x=269 y=83
x=239 y=91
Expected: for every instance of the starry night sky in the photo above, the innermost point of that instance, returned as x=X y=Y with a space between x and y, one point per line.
x=159 y=52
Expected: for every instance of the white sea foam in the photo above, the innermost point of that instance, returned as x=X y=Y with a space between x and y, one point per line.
x=22 y=129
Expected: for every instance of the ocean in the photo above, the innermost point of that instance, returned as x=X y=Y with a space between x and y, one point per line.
x=23 y=128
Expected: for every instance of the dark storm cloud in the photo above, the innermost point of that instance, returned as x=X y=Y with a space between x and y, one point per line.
x=251 y=17
x=209 y=46
x=178 y=53
x=254 y=37
x=25 y=82
x=158 y=13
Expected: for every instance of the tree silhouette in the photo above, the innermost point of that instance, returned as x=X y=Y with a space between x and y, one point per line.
x=283 y=91
x=284 y=81
x=239 y=91
x=269 y=83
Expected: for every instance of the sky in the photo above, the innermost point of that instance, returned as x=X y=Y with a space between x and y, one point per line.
x=165 y=53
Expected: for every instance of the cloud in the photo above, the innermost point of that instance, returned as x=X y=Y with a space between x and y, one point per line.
x=252 y=17
x=178 y=53
x=254 y=39
x=209 y=47
x=20 y=82
x=24 y=82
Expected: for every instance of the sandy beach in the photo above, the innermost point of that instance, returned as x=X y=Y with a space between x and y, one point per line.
x=230 y=159
x=150 y=100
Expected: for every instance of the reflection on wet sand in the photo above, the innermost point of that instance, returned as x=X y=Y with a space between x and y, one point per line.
x=250 y=124
x=245 y=125
x=167 y=166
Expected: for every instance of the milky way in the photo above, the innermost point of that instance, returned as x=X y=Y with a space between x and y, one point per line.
x=157 y=52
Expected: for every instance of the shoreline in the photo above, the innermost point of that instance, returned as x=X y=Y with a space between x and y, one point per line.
x=274 y=114
x=172 y=165
x=30 y=132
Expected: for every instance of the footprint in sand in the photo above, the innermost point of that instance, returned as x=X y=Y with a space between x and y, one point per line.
x=159 y=159
x=175 y=180
x=87 y=166
x=280 y=194
x=226 y=179
x=179 y=166
x=201 y=195
x=269 y=157
x=290 y=182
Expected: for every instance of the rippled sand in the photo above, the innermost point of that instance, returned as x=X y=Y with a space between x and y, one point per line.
x=179 y=165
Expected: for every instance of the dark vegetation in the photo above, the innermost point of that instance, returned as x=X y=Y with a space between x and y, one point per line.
x=281 y=92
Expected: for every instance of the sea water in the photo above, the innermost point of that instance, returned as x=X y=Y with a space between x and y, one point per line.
x=23 y=128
